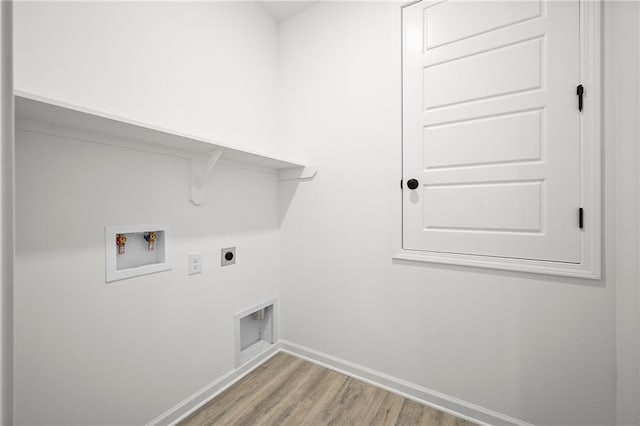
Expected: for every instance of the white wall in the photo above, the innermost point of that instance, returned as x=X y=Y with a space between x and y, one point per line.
x=122 y=353
x=204 y=68
x=88 y=352
x=538 y=348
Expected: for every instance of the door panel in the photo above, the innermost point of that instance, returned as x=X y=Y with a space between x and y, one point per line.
x=505 y=70
x=503 y=206
x=484 y=141
x=473 y=18
x=491 y=128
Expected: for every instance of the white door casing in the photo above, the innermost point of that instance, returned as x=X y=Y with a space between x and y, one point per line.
x=492 y=132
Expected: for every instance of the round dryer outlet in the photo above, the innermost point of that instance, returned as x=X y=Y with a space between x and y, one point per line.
x=228 y=256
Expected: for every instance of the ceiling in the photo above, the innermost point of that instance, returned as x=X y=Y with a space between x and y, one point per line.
x=283 y=9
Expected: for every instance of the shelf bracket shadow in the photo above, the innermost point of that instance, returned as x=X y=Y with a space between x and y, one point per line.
x=200 y=172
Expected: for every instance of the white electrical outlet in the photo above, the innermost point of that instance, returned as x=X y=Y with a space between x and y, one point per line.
x=195 y=263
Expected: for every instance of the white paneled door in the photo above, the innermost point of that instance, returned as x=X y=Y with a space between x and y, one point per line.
x=491 y=129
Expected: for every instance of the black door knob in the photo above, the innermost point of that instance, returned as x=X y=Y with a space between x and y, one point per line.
x=413 y=183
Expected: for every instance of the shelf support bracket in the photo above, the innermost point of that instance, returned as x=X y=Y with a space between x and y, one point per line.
x=298 y=173
x=200 y=173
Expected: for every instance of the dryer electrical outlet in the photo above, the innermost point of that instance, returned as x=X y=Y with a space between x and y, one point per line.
x=227 y=256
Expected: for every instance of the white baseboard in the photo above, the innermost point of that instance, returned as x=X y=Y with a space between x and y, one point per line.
x=190 y=404
x=442 y=402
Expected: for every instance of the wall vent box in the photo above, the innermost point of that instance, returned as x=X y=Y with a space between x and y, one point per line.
x=137 y=258
x=255 y=331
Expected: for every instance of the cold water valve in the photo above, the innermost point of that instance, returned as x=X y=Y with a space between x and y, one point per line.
x=150 y=238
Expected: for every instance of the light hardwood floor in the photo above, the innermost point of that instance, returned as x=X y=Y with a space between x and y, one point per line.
x=287 y=390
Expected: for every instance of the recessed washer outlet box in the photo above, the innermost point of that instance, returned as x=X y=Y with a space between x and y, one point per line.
x=133 y=250
x=227 y=256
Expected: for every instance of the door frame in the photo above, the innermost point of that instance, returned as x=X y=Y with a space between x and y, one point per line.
x=7 y=213
x=591 y=163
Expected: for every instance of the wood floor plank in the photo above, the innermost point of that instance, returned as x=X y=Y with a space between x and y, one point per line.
x=389 y=411
x=411 y=414
x=296 y=406
x=347 y=405
x=289 y=391
x=317 y=402
x=257 y=397
x=283 y=391
x=238 y=394
x=380 y=409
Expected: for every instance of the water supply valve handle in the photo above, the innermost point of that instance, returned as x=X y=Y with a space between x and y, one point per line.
x=121 y=239
x=150 y=238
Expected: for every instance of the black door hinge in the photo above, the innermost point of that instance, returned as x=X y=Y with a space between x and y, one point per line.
x=581 y=218
x=580 y=93
x=400 y=183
